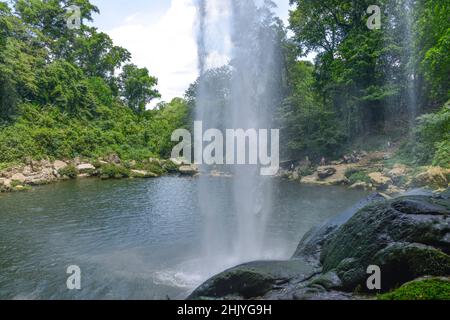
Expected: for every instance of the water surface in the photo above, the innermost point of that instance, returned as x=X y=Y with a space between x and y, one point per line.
x=136 y=239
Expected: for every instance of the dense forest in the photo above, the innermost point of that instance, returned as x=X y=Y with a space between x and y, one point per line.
x=61 y=95
x=68 y=92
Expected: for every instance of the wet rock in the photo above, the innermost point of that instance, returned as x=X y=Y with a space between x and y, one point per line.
x=143 y=174
x=310 y=246
x=252 y=280
x=360 y=185
x=337 y=178
x=190 y=170
x=325 y=172
x=403 y=262
x=398 y=171
x=320 y=294
x=410 y=220
x=179 y=161
x=380 y=181
x=329 y=281
x=393 y=190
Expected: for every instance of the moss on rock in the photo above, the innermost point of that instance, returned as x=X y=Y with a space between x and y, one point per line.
x=422 y=289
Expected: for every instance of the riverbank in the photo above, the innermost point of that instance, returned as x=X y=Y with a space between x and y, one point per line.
x=375 y=171
x=22 y=177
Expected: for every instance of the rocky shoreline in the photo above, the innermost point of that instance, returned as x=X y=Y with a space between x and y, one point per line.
x=370 y=171
x=407 y=237
x=35 y=173
x=362 y=170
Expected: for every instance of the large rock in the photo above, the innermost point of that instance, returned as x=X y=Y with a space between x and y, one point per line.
x=85 y=168
x=188 y=170
x=329 y=175
x=435 y=177
x=45 y=176
x=413 y=226
x=58 y=165
x=379 y=180
x=407 y=237
x=19 y=177
x=253 y=280
x=179 y=161
x=399 y=170
x=325 y=172
x=310 y=246
x=143 y=174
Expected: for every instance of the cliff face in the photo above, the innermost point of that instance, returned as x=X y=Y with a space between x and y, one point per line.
x=406 y=238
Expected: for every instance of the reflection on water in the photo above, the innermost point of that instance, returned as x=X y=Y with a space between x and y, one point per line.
x=135 y=239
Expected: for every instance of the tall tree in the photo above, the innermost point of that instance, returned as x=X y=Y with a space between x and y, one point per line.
x=137 y=87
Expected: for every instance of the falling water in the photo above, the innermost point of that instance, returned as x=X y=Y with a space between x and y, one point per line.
x=238 y=33
x=411 y=100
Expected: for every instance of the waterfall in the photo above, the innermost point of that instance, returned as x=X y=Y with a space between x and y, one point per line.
x=237 y=33
x=411 y=70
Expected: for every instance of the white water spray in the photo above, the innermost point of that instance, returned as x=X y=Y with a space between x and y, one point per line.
x=238 y=33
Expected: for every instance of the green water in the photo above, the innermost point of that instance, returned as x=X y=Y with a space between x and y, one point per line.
x=135 y=239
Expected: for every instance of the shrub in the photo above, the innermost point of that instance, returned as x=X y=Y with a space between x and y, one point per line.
x=169 y=166
x=69 y=171
x=110 y=171
x=356 y=175
x=154 y=167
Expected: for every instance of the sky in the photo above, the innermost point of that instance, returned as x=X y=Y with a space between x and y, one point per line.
x=160 y=34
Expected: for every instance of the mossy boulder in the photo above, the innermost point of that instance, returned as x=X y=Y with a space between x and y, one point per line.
x=407 y=237
x=252 y=280
x=403 y=262
x=421 y=289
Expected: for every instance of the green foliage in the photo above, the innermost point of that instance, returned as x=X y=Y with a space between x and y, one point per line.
x=42 y=132
x=153 y=167
x=136 y=87
x=432 y=143
x=69 y=171
x=357 y=175
x=60 y=96
x=110 y=171
x=428 y=289
x=368 y=78
x=432 y=47
x=307 y=124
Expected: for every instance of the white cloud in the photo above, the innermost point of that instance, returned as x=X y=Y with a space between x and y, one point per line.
x=166 y=46
x=165 y=42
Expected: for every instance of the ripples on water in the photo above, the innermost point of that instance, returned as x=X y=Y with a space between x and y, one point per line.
x=135 y=239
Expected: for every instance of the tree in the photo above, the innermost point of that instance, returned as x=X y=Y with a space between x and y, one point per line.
x=137 y=87
x=307 y=124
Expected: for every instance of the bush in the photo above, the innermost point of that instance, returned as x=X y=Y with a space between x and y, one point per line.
x=110 y=171
x=169 y=166
x=433 y=139
x=70 y=171
x=356 y=175
x=154 y=167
